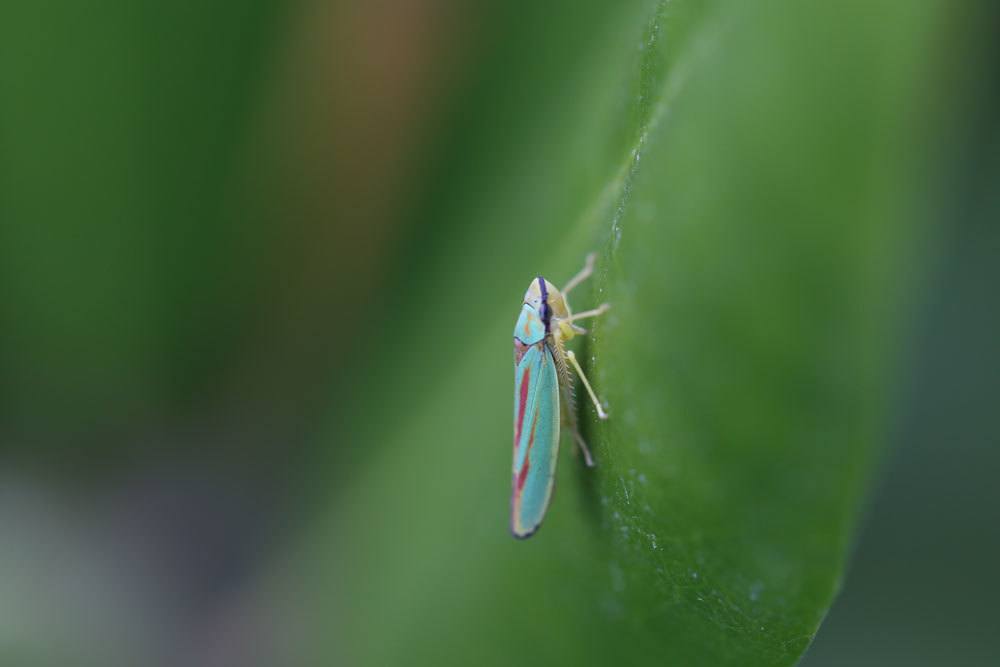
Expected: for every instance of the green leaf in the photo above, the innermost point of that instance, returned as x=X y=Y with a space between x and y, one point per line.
x=742 y=170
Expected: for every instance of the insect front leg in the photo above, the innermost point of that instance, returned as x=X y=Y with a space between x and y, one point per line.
x=588 y=268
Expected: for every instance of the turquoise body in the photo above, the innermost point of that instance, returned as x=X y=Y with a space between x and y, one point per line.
x=536 y=423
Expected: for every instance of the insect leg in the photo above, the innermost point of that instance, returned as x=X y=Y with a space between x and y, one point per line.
x=593 y=397
x=569 y=414
x=588 y=268
x=600 y=310
x=587 y=458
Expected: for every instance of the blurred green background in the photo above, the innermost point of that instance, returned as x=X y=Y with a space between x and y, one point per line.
x=260 y=262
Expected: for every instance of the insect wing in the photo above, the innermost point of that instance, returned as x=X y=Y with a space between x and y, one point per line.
x=536 y=438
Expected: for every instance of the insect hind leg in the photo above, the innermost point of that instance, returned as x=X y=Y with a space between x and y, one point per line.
x=570 y=420
x=586 y=384
x=582 y=444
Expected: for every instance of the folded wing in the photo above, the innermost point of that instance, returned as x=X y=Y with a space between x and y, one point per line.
x=536 y=438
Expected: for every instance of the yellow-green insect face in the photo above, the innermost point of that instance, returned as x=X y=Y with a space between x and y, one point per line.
x=554 y=298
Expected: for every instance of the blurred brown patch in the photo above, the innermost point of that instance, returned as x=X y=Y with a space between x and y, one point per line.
x=351 y=105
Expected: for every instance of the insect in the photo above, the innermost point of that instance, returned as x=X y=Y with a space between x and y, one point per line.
x=543 y=388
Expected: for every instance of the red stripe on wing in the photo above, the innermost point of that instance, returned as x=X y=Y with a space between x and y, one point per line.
x=522 y=475
x=522 y=405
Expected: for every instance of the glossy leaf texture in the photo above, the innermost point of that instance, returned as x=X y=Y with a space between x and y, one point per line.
x=745 y=173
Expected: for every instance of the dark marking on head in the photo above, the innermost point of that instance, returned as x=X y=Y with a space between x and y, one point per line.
x=546 y=311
